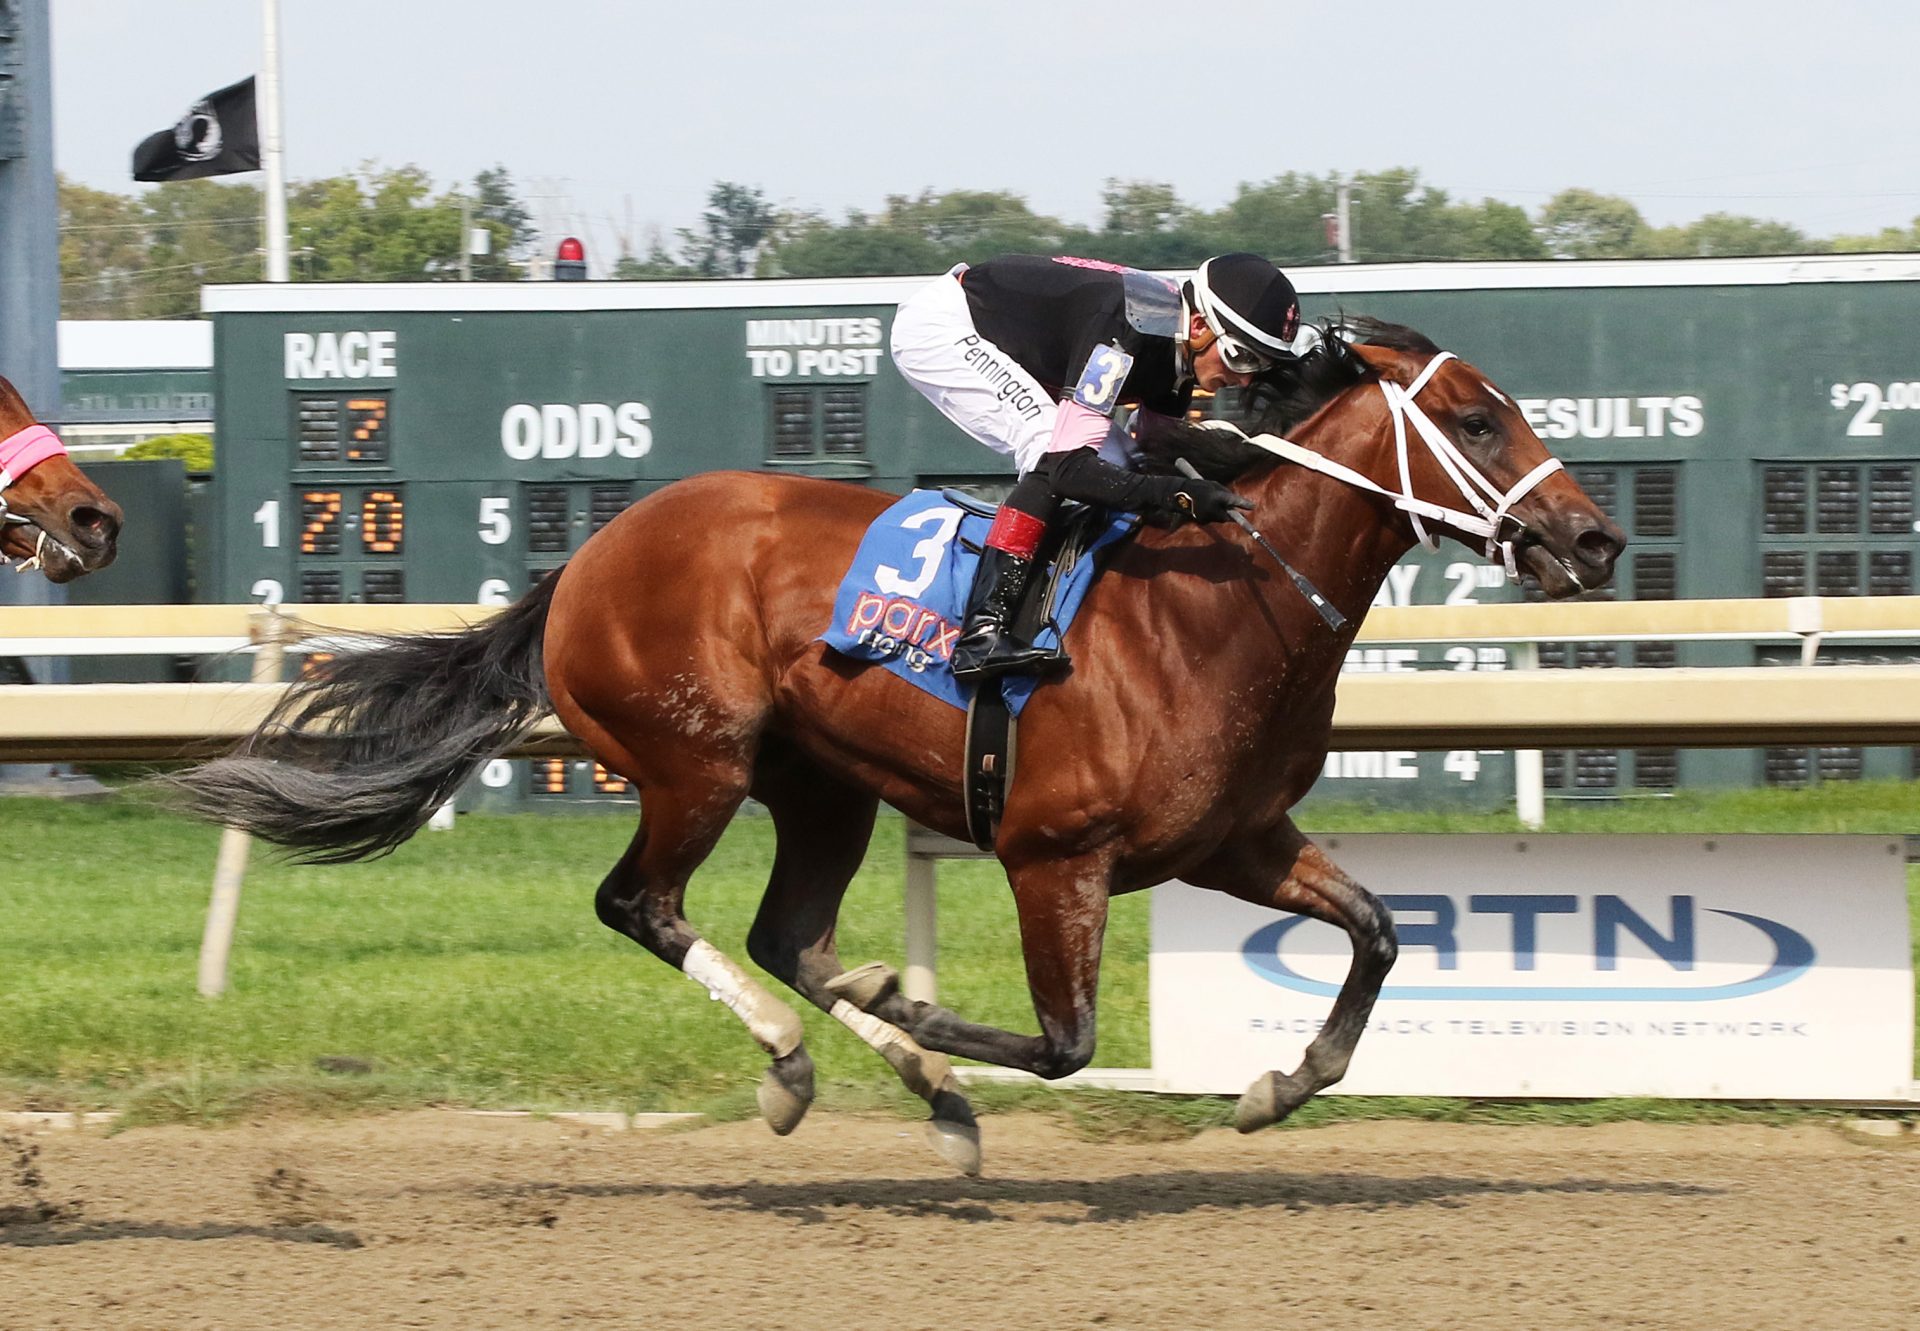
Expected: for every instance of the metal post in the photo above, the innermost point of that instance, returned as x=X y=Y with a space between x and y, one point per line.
x=1807 y=617
x=29 y=210
x=1529 y=767
x=230 y=869
x=271 y=146
x=923 y=928
x=29 y=272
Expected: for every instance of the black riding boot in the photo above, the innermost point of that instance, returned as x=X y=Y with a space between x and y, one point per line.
x=987 y=647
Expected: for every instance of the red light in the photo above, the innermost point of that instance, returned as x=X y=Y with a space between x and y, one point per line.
x=572 y=250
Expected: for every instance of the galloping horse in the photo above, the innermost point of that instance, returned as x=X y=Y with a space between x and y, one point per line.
x=680 y=646
x=51 y=517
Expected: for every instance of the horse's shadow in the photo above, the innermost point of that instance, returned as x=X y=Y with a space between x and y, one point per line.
x=1107 y=1201
x=57 y=1233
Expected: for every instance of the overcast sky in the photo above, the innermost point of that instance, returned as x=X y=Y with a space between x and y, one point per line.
x=618 y=117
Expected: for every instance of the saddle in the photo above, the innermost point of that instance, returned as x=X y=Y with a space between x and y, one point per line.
x=992 y=731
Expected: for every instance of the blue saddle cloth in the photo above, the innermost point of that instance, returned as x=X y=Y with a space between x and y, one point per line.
x=904 y=597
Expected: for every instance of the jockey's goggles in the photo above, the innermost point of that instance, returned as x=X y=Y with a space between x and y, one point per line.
x=1237 y=355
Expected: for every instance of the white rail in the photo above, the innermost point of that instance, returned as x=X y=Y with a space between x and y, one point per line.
x=1685 y=707
x=177 y=630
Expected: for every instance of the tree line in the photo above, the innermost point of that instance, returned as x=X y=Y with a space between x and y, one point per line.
x=146 y=256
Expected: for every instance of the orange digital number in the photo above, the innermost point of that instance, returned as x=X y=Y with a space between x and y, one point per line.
x=367 y=423
x=383 y=522
x=320 y=522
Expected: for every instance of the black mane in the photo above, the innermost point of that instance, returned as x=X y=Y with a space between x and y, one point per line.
x=1281 y=399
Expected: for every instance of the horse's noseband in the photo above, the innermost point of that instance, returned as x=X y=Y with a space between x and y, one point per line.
x=21 y=452
x=1491 y=504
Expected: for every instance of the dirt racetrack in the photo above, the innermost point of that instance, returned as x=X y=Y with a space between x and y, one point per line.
x=438 y=1220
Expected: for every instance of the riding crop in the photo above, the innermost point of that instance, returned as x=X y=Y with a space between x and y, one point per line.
x=1335 y=620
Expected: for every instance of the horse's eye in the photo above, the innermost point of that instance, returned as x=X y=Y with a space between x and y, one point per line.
x=1477 y=426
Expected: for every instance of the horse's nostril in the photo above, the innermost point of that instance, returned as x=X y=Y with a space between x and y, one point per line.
x=93 y=524
x=1597 y=547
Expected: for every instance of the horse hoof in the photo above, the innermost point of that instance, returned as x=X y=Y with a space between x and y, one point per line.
x=785 y=1092
x=1269 y=1100
x=956 y=1143
x=866 y=986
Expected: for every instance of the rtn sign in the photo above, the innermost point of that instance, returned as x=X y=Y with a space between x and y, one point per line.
x=1584 y=934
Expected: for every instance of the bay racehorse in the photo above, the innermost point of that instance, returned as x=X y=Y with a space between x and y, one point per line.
x=680 y=646
x=51 y=517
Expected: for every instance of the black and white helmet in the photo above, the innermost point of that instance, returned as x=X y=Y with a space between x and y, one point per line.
x=1251 y=307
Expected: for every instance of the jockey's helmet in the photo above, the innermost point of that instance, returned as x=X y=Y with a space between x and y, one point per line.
x=1250 y=307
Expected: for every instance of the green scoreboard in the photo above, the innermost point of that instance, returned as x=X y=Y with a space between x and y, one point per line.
x=1754 y=424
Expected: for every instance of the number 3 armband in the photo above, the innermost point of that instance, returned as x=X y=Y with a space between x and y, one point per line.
x=1100 y=383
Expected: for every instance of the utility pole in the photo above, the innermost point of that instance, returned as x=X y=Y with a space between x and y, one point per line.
x=466 y=239
x=271 y=147
x=1344 y=219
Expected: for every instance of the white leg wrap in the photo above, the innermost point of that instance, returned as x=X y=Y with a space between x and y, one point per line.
x=881 y=1035
x=772 y=1023
x=923 y=1071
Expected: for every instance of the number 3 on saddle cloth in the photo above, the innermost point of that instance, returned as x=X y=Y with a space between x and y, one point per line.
x=902 y=601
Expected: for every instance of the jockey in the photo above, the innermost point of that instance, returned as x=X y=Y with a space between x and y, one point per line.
x=1034 y=357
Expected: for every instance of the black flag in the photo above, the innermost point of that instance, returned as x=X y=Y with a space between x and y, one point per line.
x=217 y=137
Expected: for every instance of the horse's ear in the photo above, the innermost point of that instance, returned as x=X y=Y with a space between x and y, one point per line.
x=1371 y=362
x=1339 y=350
x=13 y=408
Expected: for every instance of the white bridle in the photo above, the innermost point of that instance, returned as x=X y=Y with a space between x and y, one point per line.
x=1490 y=504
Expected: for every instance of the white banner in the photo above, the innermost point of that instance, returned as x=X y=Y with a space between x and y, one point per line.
x=1737 y=967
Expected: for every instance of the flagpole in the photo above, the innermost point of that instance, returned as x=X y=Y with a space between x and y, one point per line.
x=270 y=145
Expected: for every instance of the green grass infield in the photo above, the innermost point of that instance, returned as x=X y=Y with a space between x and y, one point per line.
x=469 y=969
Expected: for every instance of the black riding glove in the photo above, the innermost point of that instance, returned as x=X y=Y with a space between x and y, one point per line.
x=1168 y=500
x=1201 y=499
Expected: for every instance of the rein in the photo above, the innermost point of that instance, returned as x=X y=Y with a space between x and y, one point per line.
x=1491 y=505
x=20 y=453
x=1328 y=612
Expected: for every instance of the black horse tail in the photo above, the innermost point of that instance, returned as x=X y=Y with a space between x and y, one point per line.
x=357 y=757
